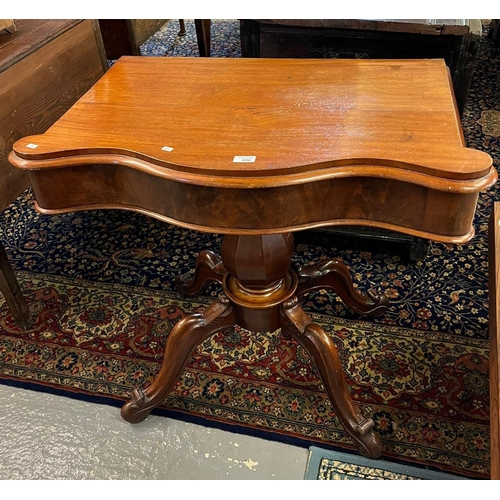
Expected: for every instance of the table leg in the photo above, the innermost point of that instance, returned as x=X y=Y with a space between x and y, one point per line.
x=320 y=346
x=182 y=341
x=208 y=268
x=334 y=275
x=260 y=293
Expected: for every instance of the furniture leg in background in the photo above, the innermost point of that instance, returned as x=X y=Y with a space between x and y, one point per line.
x=124 y=37
x=12 y=292
x=182 y=27
x=495 y=30
x=203 y=36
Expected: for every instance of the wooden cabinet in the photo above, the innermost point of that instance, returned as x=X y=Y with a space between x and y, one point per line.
x=45 y=67
x=123 y=37
x=454 y=40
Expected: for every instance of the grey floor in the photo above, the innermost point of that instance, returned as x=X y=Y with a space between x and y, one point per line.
x=43 y=436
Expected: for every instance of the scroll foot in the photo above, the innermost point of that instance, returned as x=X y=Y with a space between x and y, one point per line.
x=322 y=350
x=334 y=275
x=208 y=268
x=186 y=335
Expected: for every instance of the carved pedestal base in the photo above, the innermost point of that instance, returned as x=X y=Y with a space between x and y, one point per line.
x=261 y=293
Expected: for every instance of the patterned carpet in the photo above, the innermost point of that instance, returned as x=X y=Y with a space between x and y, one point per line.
x=326 y=465
x=100 y=285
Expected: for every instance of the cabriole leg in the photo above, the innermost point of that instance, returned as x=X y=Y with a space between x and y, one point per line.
x=321 y=348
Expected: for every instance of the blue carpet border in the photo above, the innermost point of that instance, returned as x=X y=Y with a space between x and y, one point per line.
x=316 y=455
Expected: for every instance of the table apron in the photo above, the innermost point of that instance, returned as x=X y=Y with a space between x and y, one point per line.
x=387 y=203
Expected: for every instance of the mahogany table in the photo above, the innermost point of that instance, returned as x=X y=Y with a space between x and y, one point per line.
x=256 y=149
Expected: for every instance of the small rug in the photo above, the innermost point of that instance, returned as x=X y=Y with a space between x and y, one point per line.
x=330 y=465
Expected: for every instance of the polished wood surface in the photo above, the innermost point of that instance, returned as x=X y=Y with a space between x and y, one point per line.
x=494 y=327
x=454 y=40
x=371 y=135
x=293 y=115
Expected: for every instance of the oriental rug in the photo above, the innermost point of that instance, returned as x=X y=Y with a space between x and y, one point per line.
x=100 y=285
x=326 y=465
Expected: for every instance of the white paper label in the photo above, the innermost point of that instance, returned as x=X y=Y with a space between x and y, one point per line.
x=166 y=148
x=244 y=159
x=31 y=145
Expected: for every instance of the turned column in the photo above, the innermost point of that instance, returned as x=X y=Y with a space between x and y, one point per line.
x=258 y=277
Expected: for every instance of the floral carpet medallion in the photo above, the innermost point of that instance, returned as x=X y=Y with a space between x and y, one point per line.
x=101 y=288
x=490 y=122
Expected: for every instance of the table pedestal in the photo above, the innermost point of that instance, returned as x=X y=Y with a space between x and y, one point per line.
x=262 y=293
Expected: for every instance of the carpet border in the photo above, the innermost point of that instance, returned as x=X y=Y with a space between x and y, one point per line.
x=316 y=454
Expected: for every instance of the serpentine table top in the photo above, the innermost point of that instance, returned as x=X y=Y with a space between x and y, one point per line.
x=374 y=136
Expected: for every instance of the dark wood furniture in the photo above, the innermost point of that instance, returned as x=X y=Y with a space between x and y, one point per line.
x=494 y=32
x=124 y=37
x=203 y=36
x=454 y=40
x=494 y=325
x=45 y=66
x=257 y=149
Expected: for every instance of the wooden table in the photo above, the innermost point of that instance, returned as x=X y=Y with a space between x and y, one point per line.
x=257 y=149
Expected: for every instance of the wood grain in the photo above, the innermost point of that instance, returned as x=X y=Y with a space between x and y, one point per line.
x=287 y=113
x=43 y=71
x=372 y=135
x=494 y=322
